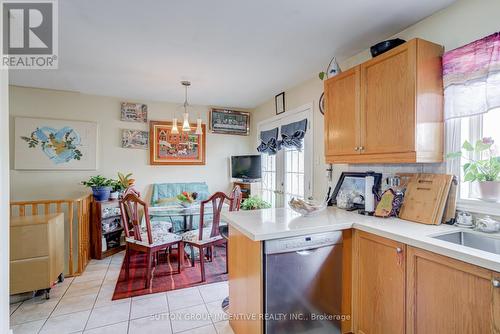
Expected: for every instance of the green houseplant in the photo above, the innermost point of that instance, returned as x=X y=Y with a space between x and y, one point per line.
x=101 y=187
x=484 y=170
x=254 y=203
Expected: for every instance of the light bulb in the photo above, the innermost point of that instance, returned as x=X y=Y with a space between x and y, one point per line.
x=185 y=125
x=174 y=130
x=199 y=130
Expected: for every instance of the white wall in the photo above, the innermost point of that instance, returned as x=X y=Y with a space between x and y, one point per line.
x=26 y=185
x=459 y=24
x=4 y=202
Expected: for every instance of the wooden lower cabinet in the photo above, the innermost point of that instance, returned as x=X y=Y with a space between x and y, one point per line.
x=378 y=285
x=449 y=296
x=246 y=287
x=402 y=289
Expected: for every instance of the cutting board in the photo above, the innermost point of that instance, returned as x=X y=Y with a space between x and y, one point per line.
x=425 y=198
x=451 y=204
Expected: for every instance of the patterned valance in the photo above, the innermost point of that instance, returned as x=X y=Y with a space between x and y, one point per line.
x=293 y=133
x=471 y=77
x=269 y=142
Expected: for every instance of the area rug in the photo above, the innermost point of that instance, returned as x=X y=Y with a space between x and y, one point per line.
x=165 y=277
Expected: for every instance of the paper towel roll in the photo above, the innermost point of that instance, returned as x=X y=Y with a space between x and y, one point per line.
x=369 y=197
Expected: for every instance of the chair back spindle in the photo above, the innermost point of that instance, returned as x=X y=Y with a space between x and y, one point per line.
x=217 y=201
x=130 y=206
x=235 y=200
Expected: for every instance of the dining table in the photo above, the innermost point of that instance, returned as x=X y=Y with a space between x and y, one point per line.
x=187 y=213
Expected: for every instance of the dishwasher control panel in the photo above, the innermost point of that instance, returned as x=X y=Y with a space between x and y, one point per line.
x=310 y=241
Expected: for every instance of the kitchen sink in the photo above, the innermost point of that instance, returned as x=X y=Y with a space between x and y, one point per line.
x=472 y=240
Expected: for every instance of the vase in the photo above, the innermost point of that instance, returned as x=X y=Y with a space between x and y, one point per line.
x=101 y=193
x=489 y=190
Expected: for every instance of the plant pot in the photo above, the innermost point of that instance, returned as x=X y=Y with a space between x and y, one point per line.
x=101 y=193
x=489 y=190
x=114 y=195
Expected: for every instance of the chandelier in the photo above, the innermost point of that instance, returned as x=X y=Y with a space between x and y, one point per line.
x=185 y=123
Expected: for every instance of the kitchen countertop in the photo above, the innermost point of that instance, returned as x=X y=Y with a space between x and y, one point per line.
x=267 y=224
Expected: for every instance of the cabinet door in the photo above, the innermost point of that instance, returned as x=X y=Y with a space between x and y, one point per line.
x=379 y=285
x=449 y=296
x=388 y=102
x=342 y=113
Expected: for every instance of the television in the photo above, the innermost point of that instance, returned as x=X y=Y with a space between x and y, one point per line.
x=246 y=167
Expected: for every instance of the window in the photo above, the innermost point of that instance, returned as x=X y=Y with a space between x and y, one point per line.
x=269 y=178
x=474 y=128
x=294 y=174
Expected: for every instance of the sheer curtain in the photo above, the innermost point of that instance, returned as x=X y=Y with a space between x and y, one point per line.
x=471 y=77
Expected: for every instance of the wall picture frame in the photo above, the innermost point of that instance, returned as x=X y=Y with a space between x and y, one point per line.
x=134 y=112
x=231 y=122
x=135 y=139
x=279 y=103
x=183 y=148
x=54 y=144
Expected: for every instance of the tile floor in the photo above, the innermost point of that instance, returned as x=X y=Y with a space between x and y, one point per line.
x=83 y=305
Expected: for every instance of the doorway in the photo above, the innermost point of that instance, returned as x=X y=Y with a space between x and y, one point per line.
x=288 y=173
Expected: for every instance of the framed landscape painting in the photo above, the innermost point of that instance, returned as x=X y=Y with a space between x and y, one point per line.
x=134 y=112
x=229 y=122
x=135 y=139
x=183 y=148
x=48 y=144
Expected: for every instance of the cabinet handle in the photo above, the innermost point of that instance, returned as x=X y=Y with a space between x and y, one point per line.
x=399 y=256
x=361 y=148
x=495 y=283
x=356 y=148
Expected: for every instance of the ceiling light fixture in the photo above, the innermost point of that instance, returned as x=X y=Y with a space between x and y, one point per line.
x=185 y=124
x=175 y=129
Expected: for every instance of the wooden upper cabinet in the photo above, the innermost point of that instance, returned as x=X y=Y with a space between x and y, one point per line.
x=398 y=108
x=378 y=285
x=342 y=113
x=388 y=102
x=449 y=296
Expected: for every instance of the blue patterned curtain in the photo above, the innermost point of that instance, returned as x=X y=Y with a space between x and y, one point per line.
x=269 y=142
x=292 y=134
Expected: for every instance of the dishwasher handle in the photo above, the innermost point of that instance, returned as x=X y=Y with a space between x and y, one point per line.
x=306 y=252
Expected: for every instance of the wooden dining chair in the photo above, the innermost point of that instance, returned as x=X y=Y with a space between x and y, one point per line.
x=207 y=235
x=148 y=240
x=131 y=190
x=235 y=199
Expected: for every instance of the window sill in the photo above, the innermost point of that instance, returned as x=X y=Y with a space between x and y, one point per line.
x=478 y=206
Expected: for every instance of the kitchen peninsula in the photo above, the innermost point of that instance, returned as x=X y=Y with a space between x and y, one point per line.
x=383 y=263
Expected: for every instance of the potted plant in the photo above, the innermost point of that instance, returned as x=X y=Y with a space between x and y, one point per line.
x=101 y=187
x=254 y=203
x=116 y=189
x=125 y=180
x=485 y=170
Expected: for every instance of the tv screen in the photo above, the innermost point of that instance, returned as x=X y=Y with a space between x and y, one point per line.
x=246 y=167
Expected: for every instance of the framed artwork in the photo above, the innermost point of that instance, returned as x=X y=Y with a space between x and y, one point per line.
x=135 y=139
x=279 y=102
x=229 y=122
x=49 y=144
x=134 y=112
x=354 y=183
x=183 y=148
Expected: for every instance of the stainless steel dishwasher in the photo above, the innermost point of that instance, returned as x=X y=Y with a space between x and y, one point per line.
x=303 y=284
